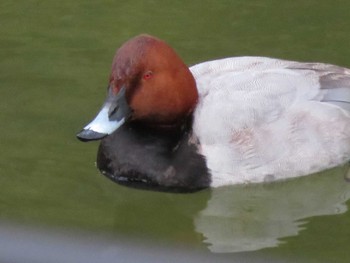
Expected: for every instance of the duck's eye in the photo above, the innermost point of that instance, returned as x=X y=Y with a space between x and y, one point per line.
x=148 y=75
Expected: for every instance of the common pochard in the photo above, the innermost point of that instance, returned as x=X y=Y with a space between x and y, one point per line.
x=236 y=120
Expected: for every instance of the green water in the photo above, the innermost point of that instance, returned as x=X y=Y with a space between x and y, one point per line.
x=55 y=58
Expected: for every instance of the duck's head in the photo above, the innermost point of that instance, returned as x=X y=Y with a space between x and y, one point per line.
x=149 y=83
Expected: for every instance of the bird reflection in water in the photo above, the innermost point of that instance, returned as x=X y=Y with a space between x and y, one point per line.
x=253 y=217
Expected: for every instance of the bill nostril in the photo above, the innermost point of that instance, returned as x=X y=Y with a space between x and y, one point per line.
x=112 y=111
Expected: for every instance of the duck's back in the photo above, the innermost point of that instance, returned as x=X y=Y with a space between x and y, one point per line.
x=261 y=119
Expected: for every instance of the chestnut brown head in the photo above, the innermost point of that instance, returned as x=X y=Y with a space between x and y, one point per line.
x=148 y=83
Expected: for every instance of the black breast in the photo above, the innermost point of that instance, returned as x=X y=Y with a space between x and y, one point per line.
x=161 y=160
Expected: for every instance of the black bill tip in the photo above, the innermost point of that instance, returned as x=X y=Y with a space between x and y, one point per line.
x=90 y=135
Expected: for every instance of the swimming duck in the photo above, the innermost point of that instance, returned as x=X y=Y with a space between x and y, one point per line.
x=236 y=120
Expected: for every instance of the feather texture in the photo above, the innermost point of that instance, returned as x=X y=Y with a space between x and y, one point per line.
x=261 y=119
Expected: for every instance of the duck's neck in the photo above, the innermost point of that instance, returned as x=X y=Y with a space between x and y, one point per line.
x=163 y=158
x=174 y=130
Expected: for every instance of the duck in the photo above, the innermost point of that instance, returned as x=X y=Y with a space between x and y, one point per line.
x=238 y=120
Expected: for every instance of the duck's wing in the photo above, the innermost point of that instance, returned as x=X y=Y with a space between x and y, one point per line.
x=334 y=81
x=326 y=82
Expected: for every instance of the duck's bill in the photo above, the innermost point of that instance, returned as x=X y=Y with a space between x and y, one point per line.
x=100 y=127
x=113 y=114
